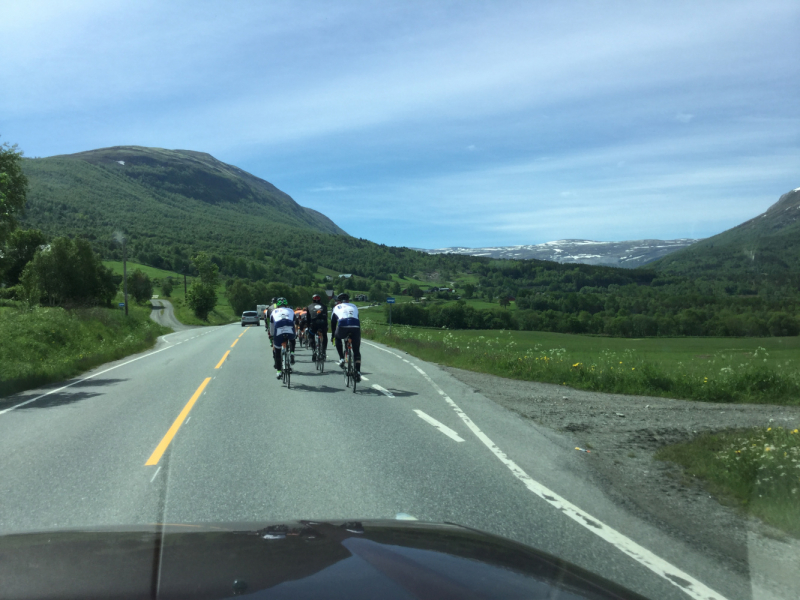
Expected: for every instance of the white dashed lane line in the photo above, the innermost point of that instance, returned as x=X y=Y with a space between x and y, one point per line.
x=383 y=391
x=677 y=577
x=440 y=426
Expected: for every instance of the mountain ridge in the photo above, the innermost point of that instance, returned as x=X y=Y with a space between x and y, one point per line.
x=764 y=248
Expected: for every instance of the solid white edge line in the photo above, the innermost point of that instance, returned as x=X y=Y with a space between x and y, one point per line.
x=440 y=426
x=364 y=378
x=154 y=474
x=682 y=580
x=383 y=391
x=63 y=387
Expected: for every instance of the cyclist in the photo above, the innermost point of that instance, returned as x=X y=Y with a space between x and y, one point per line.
x=344 y=323
x=270 y=308
x=317 y=321
x=300 y=318
x=281 y=322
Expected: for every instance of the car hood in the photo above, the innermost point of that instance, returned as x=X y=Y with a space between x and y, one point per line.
x=299 y=559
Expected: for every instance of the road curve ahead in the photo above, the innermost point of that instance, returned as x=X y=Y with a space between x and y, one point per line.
x=198 y=429
x=163 y=313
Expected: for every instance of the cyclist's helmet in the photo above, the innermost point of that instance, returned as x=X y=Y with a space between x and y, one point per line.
x=280 y=302
x=316 y=298
x=273 y=300
x=343 y=297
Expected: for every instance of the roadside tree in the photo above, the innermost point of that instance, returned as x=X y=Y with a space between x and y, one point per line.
x=202 y=296
x=202 y=299
x=166 y=287
x=241 y=297
x=67 y=272
x=13 y=189
x=20 y=249
x=140 y=286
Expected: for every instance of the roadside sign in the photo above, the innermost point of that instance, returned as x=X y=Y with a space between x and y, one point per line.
x=121 y=305
x=390 y=300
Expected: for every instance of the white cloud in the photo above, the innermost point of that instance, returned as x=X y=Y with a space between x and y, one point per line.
x=683 y=117
x=330 y=188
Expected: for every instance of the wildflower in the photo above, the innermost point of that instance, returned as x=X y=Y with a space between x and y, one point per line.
x=769 y=428
x=577 y=364
x=633 y=368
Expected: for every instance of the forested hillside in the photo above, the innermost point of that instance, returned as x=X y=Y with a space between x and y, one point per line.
x=762 y=251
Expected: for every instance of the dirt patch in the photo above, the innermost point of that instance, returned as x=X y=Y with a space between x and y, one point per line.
x=623 y=433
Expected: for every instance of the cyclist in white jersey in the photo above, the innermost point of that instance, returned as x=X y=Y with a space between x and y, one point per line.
x=281 y=323
x=344 y=323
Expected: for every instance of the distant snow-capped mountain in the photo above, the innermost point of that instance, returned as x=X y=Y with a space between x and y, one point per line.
x=615 y=254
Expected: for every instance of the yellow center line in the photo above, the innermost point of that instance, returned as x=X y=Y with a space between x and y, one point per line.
x=222 y=360
x=164 y=444
x=245 y=331
x=234 y=342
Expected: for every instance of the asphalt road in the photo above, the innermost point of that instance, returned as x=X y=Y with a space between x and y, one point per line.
x=226 y=441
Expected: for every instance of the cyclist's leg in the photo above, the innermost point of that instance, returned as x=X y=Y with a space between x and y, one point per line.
x=339 y=347
x=312 y=340
x=324 y=338
x=276 y=354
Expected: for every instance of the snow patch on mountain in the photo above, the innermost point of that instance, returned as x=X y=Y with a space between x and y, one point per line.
x=616 y=254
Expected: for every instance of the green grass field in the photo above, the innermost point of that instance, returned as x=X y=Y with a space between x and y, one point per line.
x=151 y=272
x=709 y=369
x=756 y=470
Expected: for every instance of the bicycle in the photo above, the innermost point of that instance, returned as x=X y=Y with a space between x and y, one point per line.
x=286 y=364
x=319 y=352
x=349 y=365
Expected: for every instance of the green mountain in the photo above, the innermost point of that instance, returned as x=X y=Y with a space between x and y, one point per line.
x=146 y=192
x=174 y=203
x=763 y=249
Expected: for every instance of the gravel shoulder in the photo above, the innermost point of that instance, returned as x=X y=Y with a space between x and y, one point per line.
x=623 y=433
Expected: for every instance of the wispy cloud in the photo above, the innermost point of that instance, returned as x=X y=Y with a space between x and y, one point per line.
x=330 y=188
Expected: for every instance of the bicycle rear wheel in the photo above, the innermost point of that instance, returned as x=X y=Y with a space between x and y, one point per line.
x=286 y=366
x=351 y=366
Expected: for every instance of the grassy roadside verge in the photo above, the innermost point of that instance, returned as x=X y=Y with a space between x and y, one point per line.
x=706 y=372
x=44 y=345
x=756 y=470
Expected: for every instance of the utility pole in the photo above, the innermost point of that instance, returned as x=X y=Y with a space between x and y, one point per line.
x=184 y=282
x=125 y=274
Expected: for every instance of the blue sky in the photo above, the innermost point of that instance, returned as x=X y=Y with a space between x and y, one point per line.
x=433 y=124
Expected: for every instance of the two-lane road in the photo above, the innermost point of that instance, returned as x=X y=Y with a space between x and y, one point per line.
x=199 y=430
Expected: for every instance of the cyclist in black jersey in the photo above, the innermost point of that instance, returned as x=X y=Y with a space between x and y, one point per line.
x=317 y=321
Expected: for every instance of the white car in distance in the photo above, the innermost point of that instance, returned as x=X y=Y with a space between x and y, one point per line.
x=249 y=317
